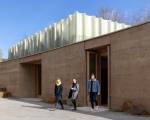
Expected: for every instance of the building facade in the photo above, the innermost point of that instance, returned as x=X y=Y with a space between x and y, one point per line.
x=120 y=60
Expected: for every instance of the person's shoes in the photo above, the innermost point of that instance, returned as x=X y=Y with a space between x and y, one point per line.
x=74 y=109
x=92 y=110
x=97 y=109
x=57 y=106
x=50 y=109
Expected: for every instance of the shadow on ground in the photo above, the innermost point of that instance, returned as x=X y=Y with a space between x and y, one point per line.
x=37 y=103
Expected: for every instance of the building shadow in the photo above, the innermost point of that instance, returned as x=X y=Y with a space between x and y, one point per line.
x=36 y=103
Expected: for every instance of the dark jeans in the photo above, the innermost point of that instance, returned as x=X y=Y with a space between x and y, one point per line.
x=93 y=100
x=74 y=104
x=60 y=103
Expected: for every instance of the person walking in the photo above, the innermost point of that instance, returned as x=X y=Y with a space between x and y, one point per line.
x=58 y=93
x=73 y=94
x=94 y=90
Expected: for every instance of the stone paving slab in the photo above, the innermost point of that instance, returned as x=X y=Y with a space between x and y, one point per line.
x=30 y=109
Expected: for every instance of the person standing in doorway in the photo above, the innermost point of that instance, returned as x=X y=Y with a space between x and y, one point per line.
x=73 y=94
x=94 y=90
x=58 y=93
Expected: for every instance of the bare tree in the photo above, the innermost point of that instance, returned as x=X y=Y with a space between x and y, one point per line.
x=138 y=17
x=141 y=16
x=111 y=14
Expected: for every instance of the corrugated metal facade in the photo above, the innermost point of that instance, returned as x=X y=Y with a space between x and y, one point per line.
x=75 y=28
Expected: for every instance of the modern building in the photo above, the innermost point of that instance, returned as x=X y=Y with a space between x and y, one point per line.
x=75 y=28
x=120 y=60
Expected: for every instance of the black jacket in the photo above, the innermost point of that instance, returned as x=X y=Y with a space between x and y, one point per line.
x=58 y=91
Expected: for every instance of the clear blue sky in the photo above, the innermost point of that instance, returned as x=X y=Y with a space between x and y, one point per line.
x=19 y=18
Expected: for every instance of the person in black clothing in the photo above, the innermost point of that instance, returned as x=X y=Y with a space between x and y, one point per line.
x=58 y=93
x=73 y=94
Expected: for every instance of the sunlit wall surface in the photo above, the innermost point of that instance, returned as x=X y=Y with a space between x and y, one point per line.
x=75 y=28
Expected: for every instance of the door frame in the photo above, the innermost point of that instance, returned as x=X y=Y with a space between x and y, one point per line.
x=108 y=47
x=88 y=72
x=37 y=82
x=88 y=63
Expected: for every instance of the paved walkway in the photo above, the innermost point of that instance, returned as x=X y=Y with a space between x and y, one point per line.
x=33 y=109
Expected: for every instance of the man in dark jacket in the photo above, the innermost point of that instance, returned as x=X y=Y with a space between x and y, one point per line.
x=94 y=90
x=58 y=93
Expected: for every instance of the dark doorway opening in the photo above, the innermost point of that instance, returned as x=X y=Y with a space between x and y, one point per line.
x=92 y=63
x=97 y=63
x=38 y=79
x=32 y=78
x=104 y=80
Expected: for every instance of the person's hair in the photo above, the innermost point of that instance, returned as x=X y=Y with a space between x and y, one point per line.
x=58 y=79
x=92 y=74
x=75 y=79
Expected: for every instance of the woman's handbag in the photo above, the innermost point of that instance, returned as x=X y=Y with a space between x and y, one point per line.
x=70 y=94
